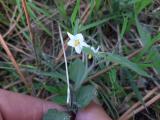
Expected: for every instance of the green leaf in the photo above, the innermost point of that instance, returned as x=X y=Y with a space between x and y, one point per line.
x=97 y=4
x=154 y=57
x=55 y=74
x=87 y=51
x=136 y=90
x=61 y=7
x=85 y=95
x=51 y=89
x=141 y=4
x=146 y=39
x=56 y=90
x=60 y=99
x=108 y=102
x=117 y=89
x=94 y=24
x=156 y=38
x=56 y=115
x=75 y=11
x=76 y=27
x=77 y=72
x=92 y=5
x=124 y=27
x=45 y=11
x=144 y=34
x=125 y=62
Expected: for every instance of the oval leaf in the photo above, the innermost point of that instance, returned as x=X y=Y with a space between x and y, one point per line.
x=85 y=95
x=56 y=115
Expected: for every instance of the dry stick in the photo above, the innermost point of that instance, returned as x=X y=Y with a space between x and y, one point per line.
x=4 y=45
x=138 y=103
x=65 y=59
x=150 y=102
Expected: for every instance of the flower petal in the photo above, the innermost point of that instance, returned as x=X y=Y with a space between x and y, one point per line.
x=70 y=35
x=78 y=49
x=71 y=43
x=93 y=49
x=79 y=37
x=84 y=44
x=97 y=49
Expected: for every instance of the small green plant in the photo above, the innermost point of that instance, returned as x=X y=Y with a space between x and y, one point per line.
x=111 y=52
x=79 y=95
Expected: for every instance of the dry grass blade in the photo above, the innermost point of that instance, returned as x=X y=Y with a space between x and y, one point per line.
x=10 y=56
x=150 y=102
x=130 y=110
x=85 y=14
x=28 y=19
x=24 y=5
x=12 y=27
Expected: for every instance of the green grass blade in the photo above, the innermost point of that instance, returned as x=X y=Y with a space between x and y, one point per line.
x=141 y=4
x=144 y=34
x=124 y=27
x=94 y=24
x=75 y=11
x=125 y=62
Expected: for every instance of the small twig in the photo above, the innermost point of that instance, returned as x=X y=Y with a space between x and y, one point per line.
x=65 y=59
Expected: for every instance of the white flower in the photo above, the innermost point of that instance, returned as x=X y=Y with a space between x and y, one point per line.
x=95 y=50
x=77 y=41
